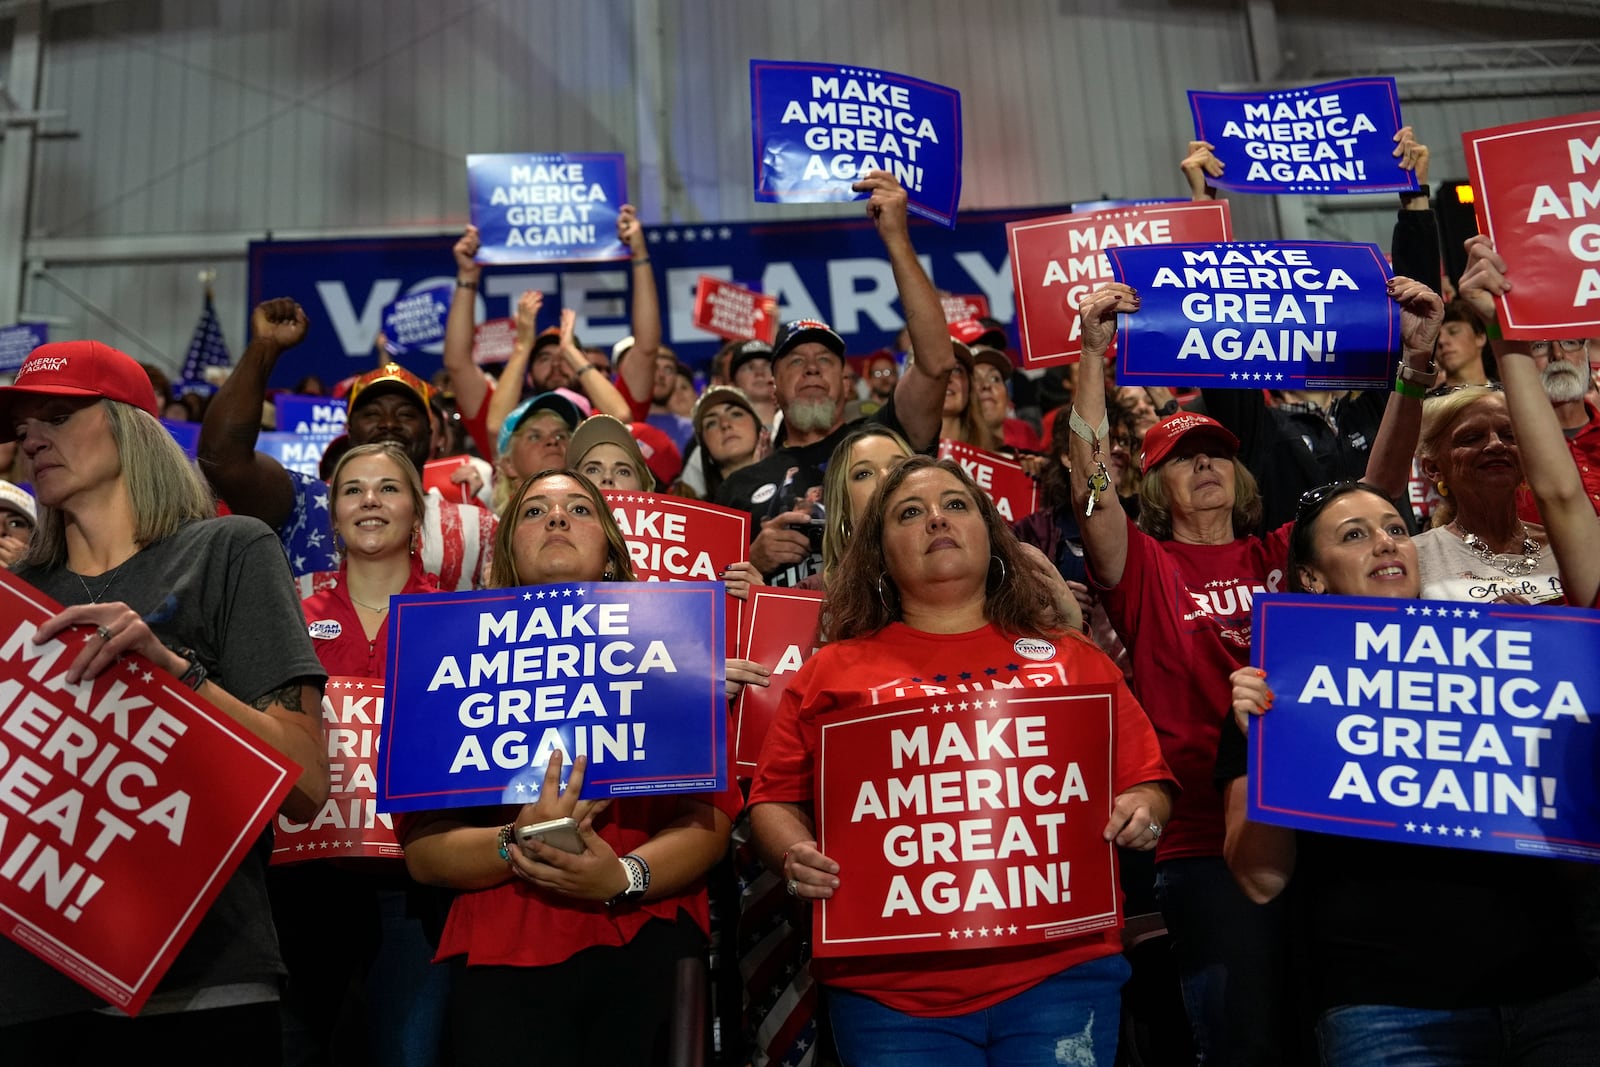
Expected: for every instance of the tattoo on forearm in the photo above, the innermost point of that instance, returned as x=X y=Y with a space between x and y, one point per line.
x=288 y=698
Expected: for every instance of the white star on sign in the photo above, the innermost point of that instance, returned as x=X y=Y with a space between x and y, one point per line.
x=527 y=596
x=968 y=931
x=1411 y=827
x=1012 y=930
x=147 y=676
x=1411 y=609
x=1427 y=829
x=725 y=233
x=1460 y=832
x=955 y=934
x=1475 y=832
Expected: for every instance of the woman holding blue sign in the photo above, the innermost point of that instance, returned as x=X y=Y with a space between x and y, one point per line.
x=922 y=593
x=570 y=935
x=1178 y=589
x=1416 y=954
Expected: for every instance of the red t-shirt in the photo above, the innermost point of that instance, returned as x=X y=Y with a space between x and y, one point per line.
x=1183 y=611
x=515 y=924
x=899 y=662
x=1019 y=435
x=339 y=641
x=1585 y=447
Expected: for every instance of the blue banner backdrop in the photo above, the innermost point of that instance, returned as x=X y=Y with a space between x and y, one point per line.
x=1337 y=137
x=816 y=128
x=484 y=686
x=1428 y=722
x=830 y=269
x=539 y=208
x=1248 y=315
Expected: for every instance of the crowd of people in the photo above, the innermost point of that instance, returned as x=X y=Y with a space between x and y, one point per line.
x=1476 y=478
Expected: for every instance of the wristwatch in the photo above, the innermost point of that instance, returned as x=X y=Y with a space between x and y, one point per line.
x=1168 y=409
x=638 y=881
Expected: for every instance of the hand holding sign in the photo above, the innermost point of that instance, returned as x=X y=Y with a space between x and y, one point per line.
x=1421 y=315
x=1251 y=695
x=886 y=206
x=1485 y=277
x=1098 y=312
x=1412 y=154
x=1200 y=165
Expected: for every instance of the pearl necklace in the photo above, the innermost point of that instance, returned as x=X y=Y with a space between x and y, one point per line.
x=1514 y=569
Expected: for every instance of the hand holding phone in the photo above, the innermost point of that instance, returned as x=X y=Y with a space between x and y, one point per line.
x=558 y=833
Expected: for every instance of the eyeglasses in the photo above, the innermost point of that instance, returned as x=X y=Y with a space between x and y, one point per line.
x=1313 y=501
x=1446 y=390
x=1122 y=441
x=884 y=372
x=1542 y=348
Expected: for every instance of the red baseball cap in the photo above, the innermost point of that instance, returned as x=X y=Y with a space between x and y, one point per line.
x=1164 y=436
x=660 y=454
x=390 y=374
x=78 y=369
x=974 y=334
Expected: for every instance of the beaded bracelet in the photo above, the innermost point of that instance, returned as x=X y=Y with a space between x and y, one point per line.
x=505 y=843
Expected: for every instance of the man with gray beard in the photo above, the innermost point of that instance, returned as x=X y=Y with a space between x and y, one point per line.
x=782 y=492
x=1564 y=373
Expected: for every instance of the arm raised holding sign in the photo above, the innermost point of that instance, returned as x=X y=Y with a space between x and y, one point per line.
x=919 y=394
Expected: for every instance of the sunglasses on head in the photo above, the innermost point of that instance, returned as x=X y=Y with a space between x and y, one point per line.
x=1312 y=501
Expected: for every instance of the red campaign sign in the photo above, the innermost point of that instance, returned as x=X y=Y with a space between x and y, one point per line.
x=127 y=806
x=493 y=340
x=674 y=539
x=1537 y=188
x=349 y=824
x=781 y=632
x=436 y=475
x=1013 y=490
x=967 y=824
x=733 y=312
x=1057 y=261
x=960 y=306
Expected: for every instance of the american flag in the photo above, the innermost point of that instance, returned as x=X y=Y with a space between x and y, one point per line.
x=208 y=348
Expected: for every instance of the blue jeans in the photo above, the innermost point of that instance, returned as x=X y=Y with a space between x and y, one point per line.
x=408 y=995
x=1071 y=1018
x=1556 y=1031
x=1232 y=960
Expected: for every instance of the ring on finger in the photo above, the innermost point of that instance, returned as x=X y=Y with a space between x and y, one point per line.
x=793 y=887
x=1155 y=829
x=103 y=632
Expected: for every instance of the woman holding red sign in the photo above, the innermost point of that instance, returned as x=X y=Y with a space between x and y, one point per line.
x=565 y=934
x=358 y=936
x=1415 y=954
x=923 y=595
x=126 y=540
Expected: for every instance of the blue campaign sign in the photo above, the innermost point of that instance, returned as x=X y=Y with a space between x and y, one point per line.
x=297 y=452
x=830 y=269
x=1429 y=722
x=1247 y=315
x=1337 y=137
x=309 y=416
x=548 y=206
x=484 y=686
x=416 y=321
x=18 y=340
x=817 y=128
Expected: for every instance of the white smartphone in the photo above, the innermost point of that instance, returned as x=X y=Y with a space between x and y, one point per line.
x=558 y=833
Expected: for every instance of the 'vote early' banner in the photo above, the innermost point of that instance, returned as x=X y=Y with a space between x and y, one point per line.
x=1279 y=314
x=129 y=803
x=818 y=128
x=1014 y=492
x=416 y=320
x=733 y=312
x=967 y=825
x=546 y=207
x=1057 y=261
x=781 y=632
x=1429 y=723
x=483 y=686
x=1337 y=137
x=349 y=823
x=1538 y=199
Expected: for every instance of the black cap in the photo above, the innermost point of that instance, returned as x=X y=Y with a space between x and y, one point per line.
x=800 y=331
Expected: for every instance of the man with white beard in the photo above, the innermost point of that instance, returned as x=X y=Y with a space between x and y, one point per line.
x=1564 y=373
x=782 y=492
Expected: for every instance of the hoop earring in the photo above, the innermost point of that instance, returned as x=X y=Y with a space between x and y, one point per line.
x=882 y=598
x=992 y=561
x=1443 y=489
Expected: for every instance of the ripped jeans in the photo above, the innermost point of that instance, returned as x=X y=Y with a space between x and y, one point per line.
x=1072 y=1019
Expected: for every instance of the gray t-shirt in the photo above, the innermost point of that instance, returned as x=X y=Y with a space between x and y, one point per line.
x=221 y=587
